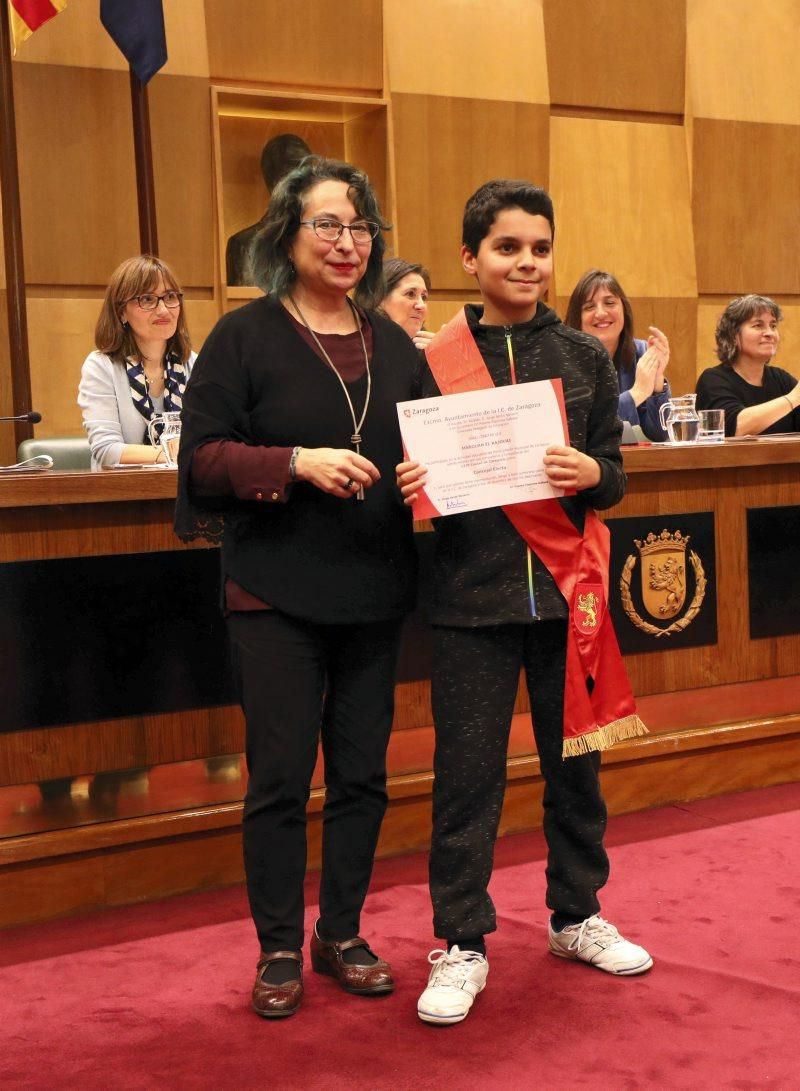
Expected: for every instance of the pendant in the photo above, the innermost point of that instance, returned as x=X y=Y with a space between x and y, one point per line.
x=355 y=439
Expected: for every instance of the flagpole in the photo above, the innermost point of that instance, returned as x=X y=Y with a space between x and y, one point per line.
x=12 y=239
x=145 y=187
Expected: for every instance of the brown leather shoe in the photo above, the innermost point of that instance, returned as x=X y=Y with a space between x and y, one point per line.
x=326 y=958
x=277 y=1001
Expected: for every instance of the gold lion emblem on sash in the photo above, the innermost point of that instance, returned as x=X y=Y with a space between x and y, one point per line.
x=588 y=605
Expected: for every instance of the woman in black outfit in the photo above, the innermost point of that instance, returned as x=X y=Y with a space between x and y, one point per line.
x=290 y=433
x=758 y=398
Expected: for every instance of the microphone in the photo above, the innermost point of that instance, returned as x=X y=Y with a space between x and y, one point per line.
x=28 y=418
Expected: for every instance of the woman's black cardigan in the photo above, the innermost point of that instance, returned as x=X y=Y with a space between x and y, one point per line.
x=313 y=556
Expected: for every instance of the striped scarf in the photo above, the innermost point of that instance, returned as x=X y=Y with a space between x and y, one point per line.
x=174 y=386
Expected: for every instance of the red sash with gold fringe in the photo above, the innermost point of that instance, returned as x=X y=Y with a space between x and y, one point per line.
x=599 y=707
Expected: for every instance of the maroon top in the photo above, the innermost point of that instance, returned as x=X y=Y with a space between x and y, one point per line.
x=226 y=466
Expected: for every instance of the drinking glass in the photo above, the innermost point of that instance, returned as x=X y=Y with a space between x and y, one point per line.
x=712 y=426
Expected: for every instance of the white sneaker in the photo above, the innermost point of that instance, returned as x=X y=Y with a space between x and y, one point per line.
x=455 y=980
x=599 y=943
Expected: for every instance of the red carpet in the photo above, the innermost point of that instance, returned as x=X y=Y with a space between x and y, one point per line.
x=156 y=996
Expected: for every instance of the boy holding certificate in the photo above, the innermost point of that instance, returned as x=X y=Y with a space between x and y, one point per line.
x=523 y=587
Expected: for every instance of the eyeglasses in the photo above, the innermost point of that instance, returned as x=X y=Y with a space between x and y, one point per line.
x=148 y=301
x=331 y=230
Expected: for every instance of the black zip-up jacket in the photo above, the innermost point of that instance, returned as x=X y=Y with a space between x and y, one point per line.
x=481 y=563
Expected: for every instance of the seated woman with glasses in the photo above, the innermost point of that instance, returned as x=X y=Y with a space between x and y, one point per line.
x=405 y=298
x=290 y=434
x=140 y=366
x=599 y=306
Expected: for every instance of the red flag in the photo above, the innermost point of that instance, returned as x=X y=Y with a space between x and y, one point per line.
x=28 y=15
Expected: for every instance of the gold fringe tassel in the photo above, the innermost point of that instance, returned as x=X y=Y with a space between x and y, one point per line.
x=604 y=737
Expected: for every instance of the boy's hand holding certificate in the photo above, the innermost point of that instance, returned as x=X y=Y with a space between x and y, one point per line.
x=485 y=448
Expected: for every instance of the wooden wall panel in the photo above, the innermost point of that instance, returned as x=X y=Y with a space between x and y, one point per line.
x=77 y=176
x=77 y=38
x=742 y=60
x=306 y=45
x=365 y=144
x=746 y=180
x=622 y=201
x=461 y=48
x=450 y=147
x=182 y=171
x=80 y=220
x=61 y=337
x=442 y=310
x=617 y=55
x=187 y=46
x=201 y=315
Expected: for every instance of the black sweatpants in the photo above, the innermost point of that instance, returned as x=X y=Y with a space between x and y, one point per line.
x=298 y=679
x=474 y=686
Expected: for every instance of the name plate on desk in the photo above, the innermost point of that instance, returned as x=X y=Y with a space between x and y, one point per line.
x=662 y=588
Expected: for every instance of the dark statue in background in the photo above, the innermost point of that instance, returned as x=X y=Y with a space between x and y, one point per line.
x=278 y=157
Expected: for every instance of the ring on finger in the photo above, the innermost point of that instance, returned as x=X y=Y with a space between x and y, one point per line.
x=350 y=485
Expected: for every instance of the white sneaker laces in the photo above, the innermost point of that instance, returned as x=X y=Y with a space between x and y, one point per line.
x=593 y=930
x=450 y=969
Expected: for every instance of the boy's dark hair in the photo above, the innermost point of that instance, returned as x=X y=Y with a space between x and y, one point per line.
x=495 y=196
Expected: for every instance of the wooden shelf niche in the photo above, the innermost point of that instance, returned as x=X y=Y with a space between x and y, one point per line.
x=350 y=128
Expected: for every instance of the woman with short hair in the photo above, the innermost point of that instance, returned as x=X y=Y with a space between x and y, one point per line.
x=291 y=435
x=141 y=363
x=599 y=306
x=758 y=398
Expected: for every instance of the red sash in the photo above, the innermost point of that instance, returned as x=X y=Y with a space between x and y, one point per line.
x=579 y=565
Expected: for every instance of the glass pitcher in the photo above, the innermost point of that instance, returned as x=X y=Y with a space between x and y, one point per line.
x=170 y=435
x=679 y=417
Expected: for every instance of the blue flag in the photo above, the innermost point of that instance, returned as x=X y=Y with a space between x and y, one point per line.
x=138 y=29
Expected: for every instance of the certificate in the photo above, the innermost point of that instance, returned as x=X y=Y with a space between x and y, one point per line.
x=484 y=448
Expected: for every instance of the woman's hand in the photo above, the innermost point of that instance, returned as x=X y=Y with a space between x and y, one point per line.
x=567 y=468
x=410 y=479
x=338 y=472
x=659 y=342
x=422 y=338
x=646 y=375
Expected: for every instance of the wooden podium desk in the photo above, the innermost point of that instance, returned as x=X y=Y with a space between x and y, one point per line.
x=140 y=796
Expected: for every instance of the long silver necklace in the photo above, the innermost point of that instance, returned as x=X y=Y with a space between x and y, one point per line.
x=355 y=439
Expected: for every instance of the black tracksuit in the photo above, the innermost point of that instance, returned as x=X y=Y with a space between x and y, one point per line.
x=486 y=630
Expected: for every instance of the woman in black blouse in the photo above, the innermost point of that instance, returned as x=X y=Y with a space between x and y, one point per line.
x=290 y=431
x=758 y=398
